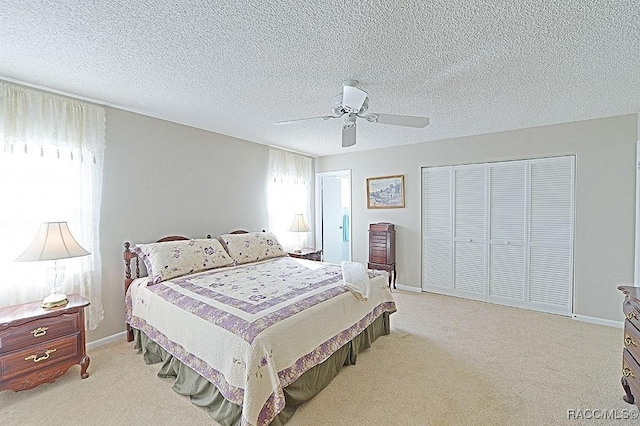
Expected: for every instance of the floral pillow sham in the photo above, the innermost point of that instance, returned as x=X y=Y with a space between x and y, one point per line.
x=252 y=246
x=175 y=258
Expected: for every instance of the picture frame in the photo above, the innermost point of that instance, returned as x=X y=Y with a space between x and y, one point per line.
x=385 y=192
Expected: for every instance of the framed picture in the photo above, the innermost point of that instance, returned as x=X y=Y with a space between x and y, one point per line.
x=385 y=192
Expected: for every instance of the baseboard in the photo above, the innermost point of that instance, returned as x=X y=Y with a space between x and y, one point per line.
x=409 y=288
x=599 y=321
x=106 y=340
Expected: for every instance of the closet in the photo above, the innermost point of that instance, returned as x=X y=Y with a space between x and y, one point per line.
x=501 y=232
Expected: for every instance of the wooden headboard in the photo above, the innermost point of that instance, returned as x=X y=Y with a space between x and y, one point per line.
x=237 y=231
x=129 y=255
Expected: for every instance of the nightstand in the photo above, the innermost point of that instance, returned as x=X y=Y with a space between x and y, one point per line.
x=308 y=253
x=39 y=345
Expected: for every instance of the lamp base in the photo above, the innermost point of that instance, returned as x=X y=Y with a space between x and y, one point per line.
x=54 y=300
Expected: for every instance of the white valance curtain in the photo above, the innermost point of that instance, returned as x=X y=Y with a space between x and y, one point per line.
x=50 y=170
x=289 y=193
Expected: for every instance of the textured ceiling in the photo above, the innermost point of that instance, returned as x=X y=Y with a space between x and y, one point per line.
x=237 y=67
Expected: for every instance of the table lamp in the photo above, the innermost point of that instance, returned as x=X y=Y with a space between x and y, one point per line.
x=299 y=225
x=53 y=242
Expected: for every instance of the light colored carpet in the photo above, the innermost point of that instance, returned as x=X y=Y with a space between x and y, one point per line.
x=448 y=361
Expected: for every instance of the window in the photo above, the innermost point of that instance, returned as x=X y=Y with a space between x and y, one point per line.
x=289 y=193
x=50 y=170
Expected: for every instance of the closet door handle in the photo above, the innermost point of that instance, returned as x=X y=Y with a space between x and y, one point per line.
x=469 y=240
x=507 y=243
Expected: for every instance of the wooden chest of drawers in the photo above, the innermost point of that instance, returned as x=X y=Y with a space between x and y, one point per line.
x=39 y=345
x=631 y=352
x=382 y=249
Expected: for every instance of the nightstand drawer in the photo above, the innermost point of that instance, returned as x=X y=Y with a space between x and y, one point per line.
x=39 y=330
x=38 y=356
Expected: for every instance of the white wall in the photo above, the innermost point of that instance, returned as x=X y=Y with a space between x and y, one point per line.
x=162 y=178
x=605 y=151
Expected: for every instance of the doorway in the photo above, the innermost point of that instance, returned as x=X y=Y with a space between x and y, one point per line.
x=333 y=215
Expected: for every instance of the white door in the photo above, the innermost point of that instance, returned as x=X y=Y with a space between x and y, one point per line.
x=335 y=217
x=507 y=223
x=437 y=247
x=469 y=216
x=551 y=235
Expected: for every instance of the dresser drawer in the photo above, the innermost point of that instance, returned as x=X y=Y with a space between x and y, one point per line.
x=631 y=312
x=379 y=253
x=378 y=246
x=39 y=356
x=39 y=330
x=631 y=370
x=632 y=339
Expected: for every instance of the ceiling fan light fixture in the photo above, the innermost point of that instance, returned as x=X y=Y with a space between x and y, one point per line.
x=349 y=121
x=352 y=104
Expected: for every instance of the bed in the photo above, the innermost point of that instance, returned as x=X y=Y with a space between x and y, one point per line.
x=248 y=332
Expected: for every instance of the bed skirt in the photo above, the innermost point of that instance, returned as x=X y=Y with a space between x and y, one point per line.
x=204 y=394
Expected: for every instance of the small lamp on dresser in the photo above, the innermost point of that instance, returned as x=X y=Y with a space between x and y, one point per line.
x=53 y=242
x=299 y=225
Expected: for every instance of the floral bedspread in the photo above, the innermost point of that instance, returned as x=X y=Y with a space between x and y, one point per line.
x=253 y=329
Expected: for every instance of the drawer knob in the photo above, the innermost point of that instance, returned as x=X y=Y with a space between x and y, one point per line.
x=632 y=315
x=40 y=331
x=626 y=371
x=629 y=341
x=36 y=358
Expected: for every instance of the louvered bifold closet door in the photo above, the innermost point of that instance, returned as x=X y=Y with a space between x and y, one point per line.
x=551 y=235
x=437 y=236
x=507 y=220
x=469 y=278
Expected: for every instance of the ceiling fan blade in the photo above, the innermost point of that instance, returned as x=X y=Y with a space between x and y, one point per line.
x=348 y=135
x=324 y=117
x=397 y=120
x=353 y=98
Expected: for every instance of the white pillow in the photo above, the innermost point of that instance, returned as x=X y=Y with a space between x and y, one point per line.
x=175 y=258
x=252 y=246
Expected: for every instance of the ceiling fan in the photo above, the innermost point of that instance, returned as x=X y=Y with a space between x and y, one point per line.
x=352 y=104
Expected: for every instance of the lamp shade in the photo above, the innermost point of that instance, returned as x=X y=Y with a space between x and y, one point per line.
x=299 y=224
x=53 y=241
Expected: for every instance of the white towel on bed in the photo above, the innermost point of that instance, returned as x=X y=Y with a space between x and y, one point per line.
x=356 y=279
